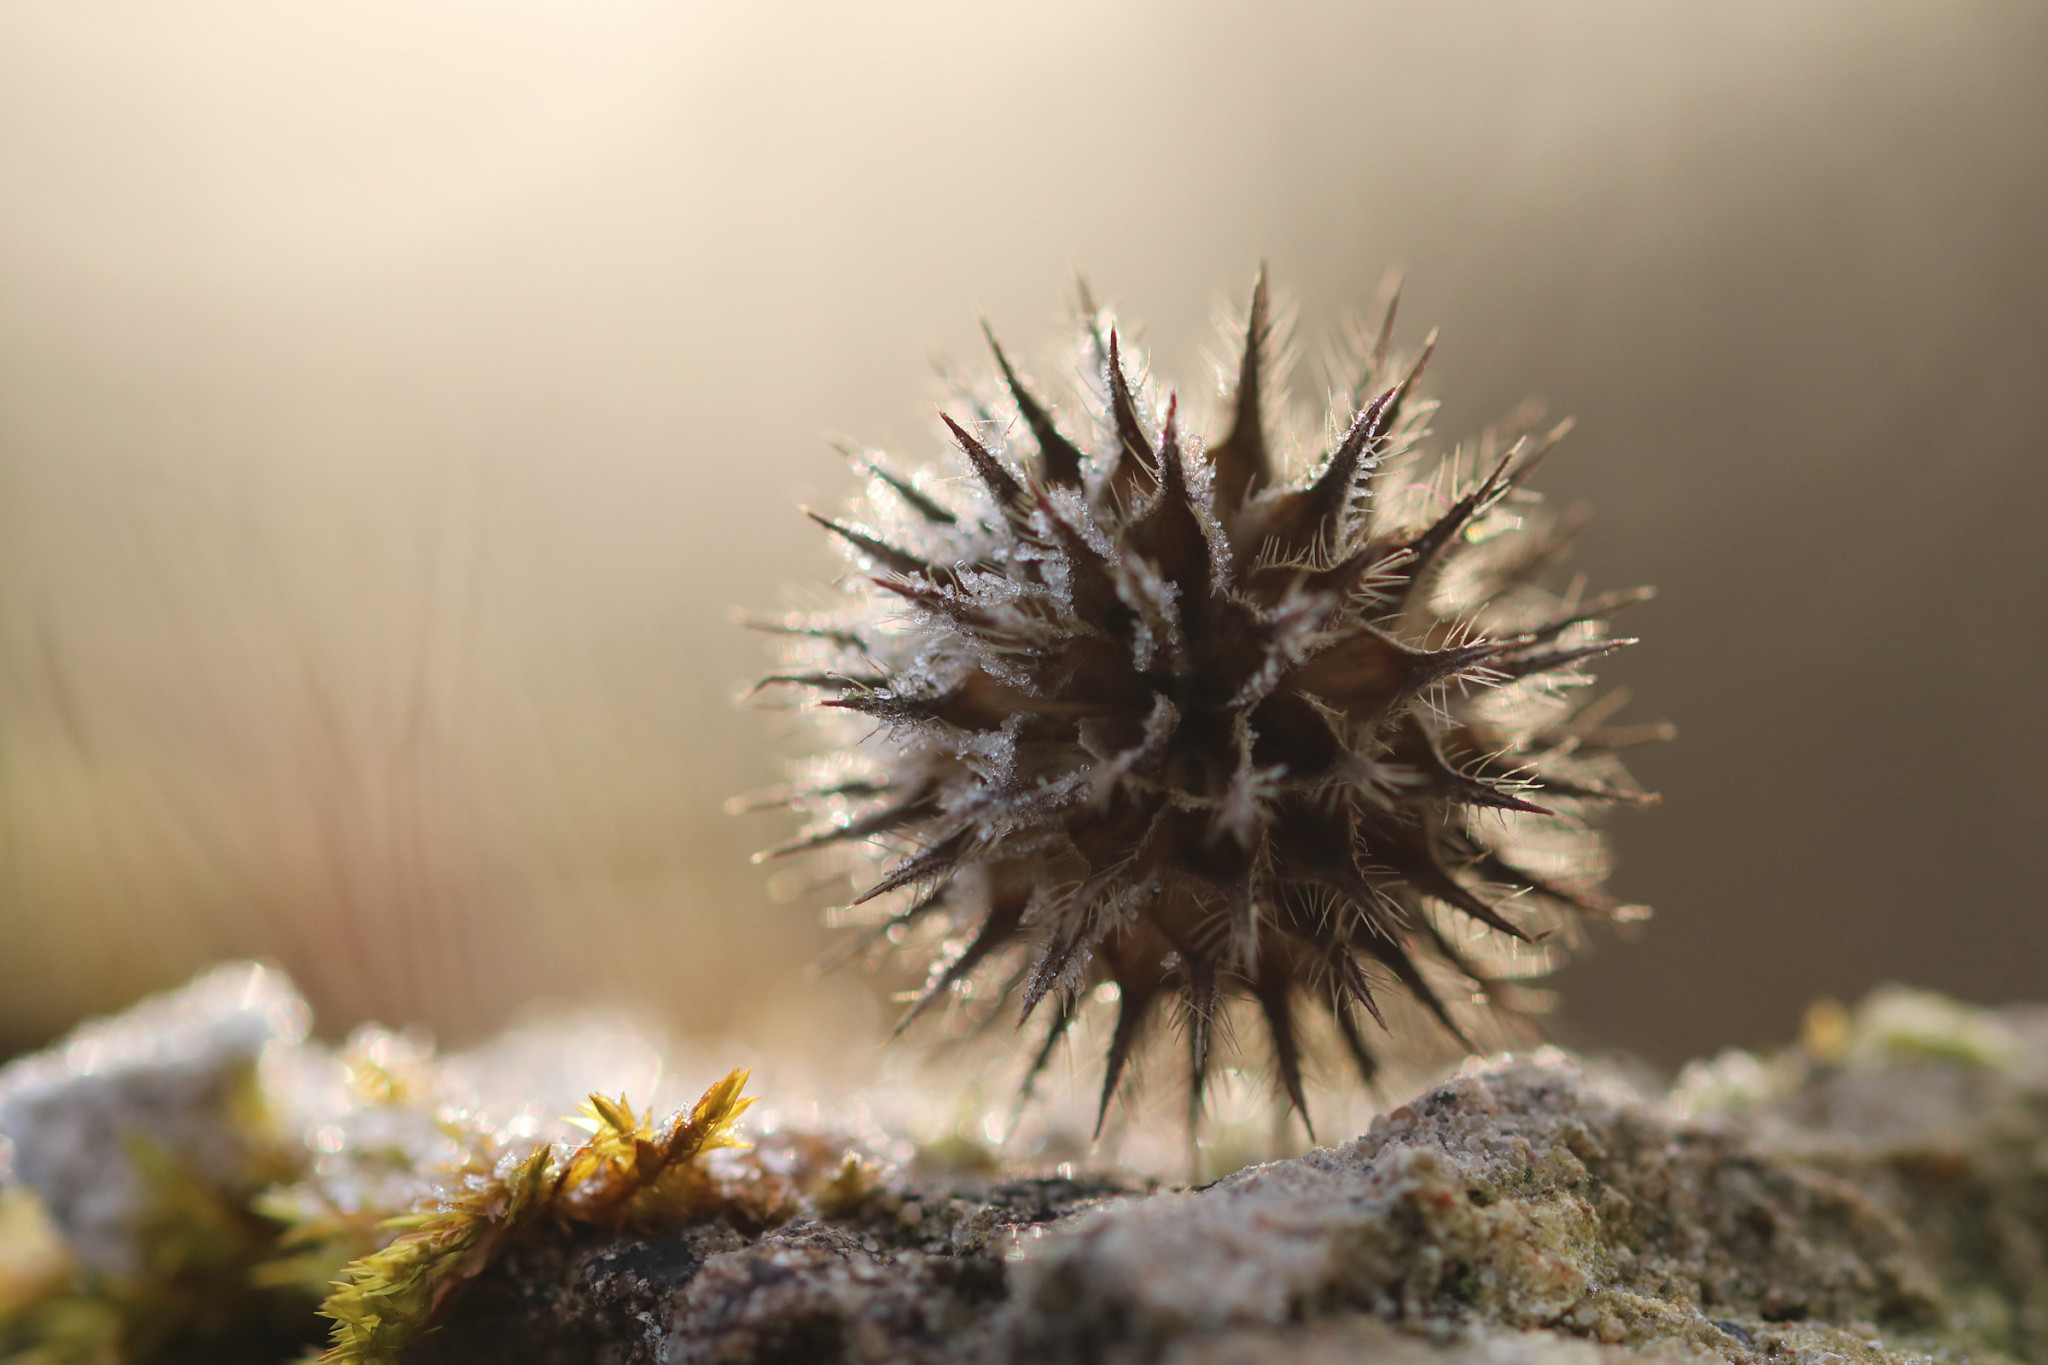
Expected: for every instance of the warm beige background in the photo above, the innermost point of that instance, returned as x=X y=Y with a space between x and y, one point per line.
x=395 y=395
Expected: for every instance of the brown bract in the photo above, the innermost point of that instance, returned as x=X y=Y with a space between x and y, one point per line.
x=1146 y=712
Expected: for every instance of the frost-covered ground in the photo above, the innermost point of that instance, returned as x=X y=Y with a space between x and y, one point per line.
x=187 y=1180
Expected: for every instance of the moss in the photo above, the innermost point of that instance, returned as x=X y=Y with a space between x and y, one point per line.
x=626 y=1175
x=195 y=1293
x=1873 y=1195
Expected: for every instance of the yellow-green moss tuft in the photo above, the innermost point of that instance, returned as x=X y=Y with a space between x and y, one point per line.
x=626 y=1175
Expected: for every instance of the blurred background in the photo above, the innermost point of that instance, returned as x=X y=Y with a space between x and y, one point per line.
x=395 y=397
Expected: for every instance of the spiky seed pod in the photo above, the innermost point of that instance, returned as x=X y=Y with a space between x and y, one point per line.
x=1142 y=711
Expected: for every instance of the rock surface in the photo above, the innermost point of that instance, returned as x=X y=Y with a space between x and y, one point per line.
x=175 y=1074
x=1878 y=1192
x=1881 y=1194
